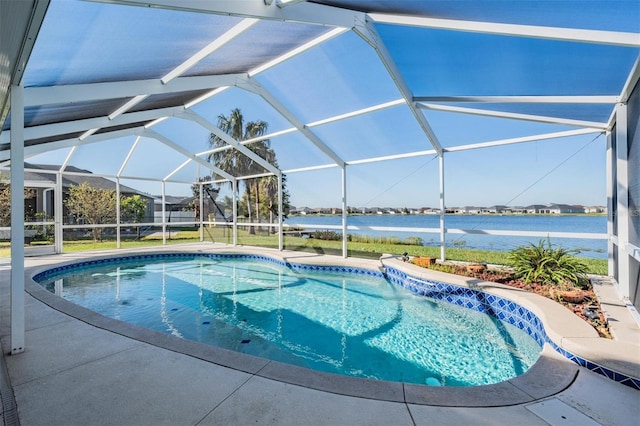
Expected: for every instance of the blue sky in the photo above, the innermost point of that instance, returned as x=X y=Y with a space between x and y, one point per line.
x=345 y=74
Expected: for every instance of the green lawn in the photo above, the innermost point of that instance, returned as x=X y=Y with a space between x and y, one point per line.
x=355 y=249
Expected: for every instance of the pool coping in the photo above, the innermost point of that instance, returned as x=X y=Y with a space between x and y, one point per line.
x=550 y=375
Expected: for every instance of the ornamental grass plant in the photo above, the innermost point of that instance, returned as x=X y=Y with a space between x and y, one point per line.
x=547 y=263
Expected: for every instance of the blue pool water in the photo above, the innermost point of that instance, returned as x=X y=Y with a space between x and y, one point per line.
x=353 y=324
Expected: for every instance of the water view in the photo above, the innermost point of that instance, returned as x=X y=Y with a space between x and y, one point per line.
x=595 y=248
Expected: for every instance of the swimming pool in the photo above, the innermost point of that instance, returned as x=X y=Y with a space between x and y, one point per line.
x=342 y=320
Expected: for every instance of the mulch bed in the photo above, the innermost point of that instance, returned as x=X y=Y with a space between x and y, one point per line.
x=590 y=302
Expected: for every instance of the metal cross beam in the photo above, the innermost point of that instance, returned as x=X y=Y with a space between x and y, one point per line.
x=255 y=87
x=552 y=33
x=368 y=33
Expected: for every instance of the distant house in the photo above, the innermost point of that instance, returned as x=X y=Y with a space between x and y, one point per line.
x=173 y=203
x=303 y=211
x=365 y=210
x=555 y=208
x=177 y=209
x=494 y=209
x=534 y=209
x=595 y=209
x=470 y=210
x=43 y=184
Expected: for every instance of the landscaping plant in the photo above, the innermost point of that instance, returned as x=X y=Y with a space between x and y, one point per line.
x=546 y=263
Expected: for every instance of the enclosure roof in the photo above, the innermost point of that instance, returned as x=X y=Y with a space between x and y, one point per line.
x=102 y=70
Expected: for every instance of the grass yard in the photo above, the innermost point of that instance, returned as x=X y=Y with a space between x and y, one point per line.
x=355 y=249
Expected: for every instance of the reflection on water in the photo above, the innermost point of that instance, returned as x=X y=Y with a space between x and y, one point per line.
x=340 y=323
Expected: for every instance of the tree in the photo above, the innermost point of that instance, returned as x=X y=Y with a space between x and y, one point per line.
x=5 y=203
x=132 y=210
x=233 y=161
x=268 y=187
x=209 y=197
x=95 y=206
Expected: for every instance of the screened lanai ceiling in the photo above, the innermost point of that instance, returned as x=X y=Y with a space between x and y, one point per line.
x=98 y=71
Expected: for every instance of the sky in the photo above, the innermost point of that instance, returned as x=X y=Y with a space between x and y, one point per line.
x=345 y=74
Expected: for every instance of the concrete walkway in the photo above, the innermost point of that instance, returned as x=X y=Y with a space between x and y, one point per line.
x=80 y=372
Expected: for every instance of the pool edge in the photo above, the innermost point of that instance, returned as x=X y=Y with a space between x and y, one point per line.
x=515 y=391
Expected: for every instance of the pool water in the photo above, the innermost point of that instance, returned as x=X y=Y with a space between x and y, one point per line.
x=350 y=324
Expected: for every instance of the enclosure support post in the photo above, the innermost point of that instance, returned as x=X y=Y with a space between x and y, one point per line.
x=234 y=185
x=280 y=214
x=201 y=194
x=58 y=232
x=118 y=218
x=164 y=213
x=611 y=188
x=344 y=211
x=622 y=211
x=442 y=209
x=17 y=219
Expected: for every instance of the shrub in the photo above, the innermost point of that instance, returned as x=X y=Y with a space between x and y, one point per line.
x=327 y=235
x=547 y=264
x=413 y=241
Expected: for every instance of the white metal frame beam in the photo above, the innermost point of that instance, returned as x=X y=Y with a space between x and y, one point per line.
x=367 y=32
x=53 y=129
x=513 y=116
x=622 y=195
x=356 y=113
x=285 y=3
x=177 y=169
x=193 y=116
x=72 y=93
x=511 y=141
x=30 y=151
x=298 y=50
x=255 y=87
x=631 y=82
x=133 y=148
x=612 y=99
x=219 y=42
x=551 y=33
x=305 y=12
x=176 y=147
x=17 y=220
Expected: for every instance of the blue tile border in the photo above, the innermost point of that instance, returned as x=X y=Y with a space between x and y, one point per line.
x=495 y=306
x=503 y=309
x=49 y=273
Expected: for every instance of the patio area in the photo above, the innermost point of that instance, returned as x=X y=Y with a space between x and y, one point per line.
x=433 y=105
x=82 y=368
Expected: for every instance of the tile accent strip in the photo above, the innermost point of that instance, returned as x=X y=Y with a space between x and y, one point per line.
x=497 y=307
x=503 y=309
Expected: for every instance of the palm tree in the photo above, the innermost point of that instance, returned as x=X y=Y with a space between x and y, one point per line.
x=264 y=150
x=233 y=161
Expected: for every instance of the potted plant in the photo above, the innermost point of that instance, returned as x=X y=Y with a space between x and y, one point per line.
x=477 y=267
x=424 y=261
x=568 y=295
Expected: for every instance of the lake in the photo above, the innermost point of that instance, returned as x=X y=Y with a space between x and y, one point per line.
x=596 y=248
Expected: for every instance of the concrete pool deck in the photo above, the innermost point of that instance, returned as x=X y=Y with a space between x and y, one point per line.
x=81 y=368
